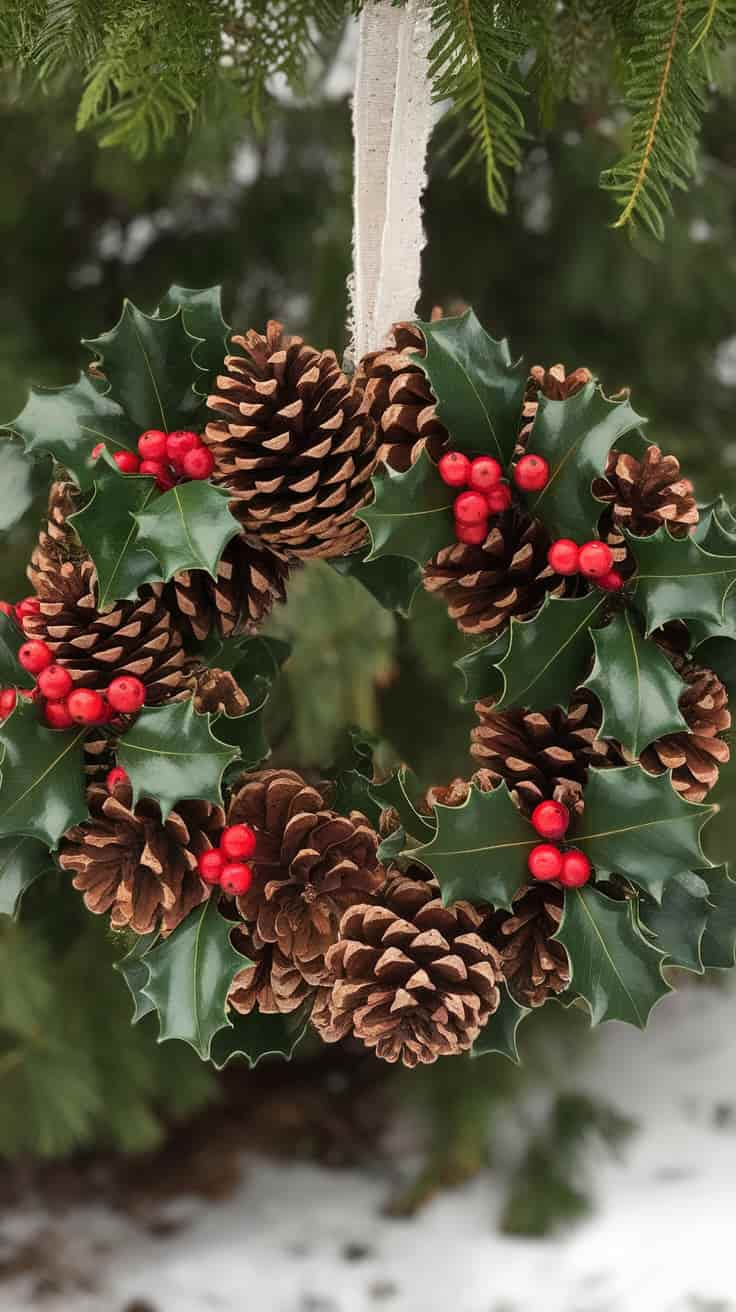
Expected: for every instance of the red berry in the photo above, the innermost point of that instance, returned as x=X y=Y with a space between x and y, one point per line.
x=116 y=776
x=126 y=694
x=238 y=842
x=211 y=864
x=551 y=819
x=564 y=556
x=454 y=469
x=97 y=450
x=57 y=715
x=596 y=560
x=198 y=463
x=177 y=445
x=473 y=535
x=485 y=473
x=152 y=444
x=158 y=470
x=236 y=878
x=35 y=655
x=576 y=869
x=7 y=609
x=55 y=682
x=531 y=473
x=8 y=698
x=28 y=606
x=470 y=508
x=611 y=582
x=127 y=462
x=545 y=862
x=86 y=706
x=498 y=499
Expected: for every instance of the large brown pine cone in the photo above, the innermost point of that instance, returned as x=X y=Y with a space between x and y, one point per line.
x=534 y=966
x=400 y=399
x=413 y=979
x=272 y=984
x=294 y=445
x=694 y=757
x=554 y=383
x=140 y=868
x=310 y=865
x=644 y=494
x=250 y=578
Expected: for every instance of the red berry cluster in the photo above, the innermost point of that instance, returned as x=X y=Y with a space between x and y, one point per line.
x=167 y=457
x=594 y=560
x=546 y=862
x=227 y=866
x=487 y=494
x=63 y=704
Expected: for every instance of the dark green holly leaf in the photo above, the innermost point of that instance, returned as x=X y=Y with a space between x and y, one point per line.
x=67 y=422
x=479 y=391
x=134 y=971
x=718 y=947
x=500 y=1034
x=403 y=794
x=635 y=824
x=677 y=579
x=22 y=862
x=246 y=732
x=187 y=528
x=679 y=921
x=147 y=362
x=189 y=977
x=613 y=967
x=636 y=685
x=411 y=514
x=480 y=669
x=23 y=479
x=480 y=849
x=109 y=532
x=257 y=1037
x=352 y=774
x=719 y=836
x=12 y=674
x=171 y=753
x=255 y=661
x=548 y=655
x=201 y=309
x=42 y=788
x=716 y=520
x=719 y=654
x=392 y=580
x=575 y=436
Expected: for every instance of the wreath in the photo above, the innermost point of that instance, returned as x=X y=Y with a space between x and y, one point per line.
x=594 y=594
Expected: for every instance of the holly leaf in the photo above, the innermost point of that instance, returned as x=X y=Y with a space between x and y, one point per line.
x=171 y=753
x=257 y=1037
x=480 y=669
x=12 y=674
x=246 y=732
x=402 y=792
x=352 y=774
x=719 y=836
x=201 y=310
x=718 y=946
x=480 y=849
x=42 y=778
x=189 y=978
x=22 y=861
x=108 y=531
x=575 y=436
x=134 y=971
x=479 y=391
x=392 y=580
x=678 y=579
x=679 y=921
x=548 y=655
x=256 y=661
x=187 y=528
x=22 y=479
x=500 y=1034
x=411 y=513
x=636 y=685
x=719 y=654
x=613 y=967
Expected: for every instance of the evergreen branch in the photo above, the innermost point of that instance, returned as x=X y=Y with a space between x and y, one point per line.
x=703 y=28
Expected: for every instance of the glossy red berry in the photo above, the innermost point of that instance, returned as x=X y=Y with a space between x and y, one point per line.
x=470 y=508
x=564 y=556
x=7 y=609
x=8 y=699
x=238 y=842
x=472 y=535
x=86 y=706
x=454 y=469
x=498 y=499
x=115 y=777
x=57 y=715
x=531 y=473
x=545 y=862
x=28 y=606
x=211 y=864
x=596 y=560
x=126 y=694
x=177 y=445
x=485 y=473
x=576 y=869
x=551 y=819
x=611 y=582
x=127 y=462
x=97 y=450
x=35 y=656
x=55 y=682
x=152 y=444
x=158 y=470
x=198 y=463
x=236 y=878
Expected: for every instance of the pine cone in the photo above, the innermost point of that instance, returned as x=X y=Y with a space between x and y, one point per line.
x=413 y=979
x=272 y=984
x=400 y=399
x=310 y=866
x=645 y=494
x=694 y=757
x=534 y=966
x=556 y=385
x=543 y=754
x=57 y=540
x=143 y=870
x=508 y=576
x=296 y=448
x=216 y=691
x=250 y=578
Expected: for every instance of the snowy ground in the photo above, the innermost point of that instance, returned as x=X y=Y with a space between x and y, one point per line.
x=296 y=1238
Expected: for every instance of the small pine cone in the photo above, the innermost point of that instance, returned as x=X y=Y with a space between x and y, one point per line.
x=250 y=578
x=400 y=399
x=556 y=385
x=413 y=979
x=273 y=983
x=57 y=540
x=455 y=793
x=216 y=691
x=694 y=757
x=508 y=576
x=534 y=966
x=543 y=754
x=642 y=495
x=294 y=447
x=310 y=865
x=140 y=868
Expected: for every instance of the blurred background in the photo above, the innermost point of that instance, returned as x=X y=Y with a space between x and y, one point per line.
x=134 y=1179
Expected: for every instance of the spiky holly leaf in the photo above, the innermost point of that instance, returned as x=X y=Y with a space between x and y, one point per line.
x=480 y=849
x=402 y=793
x=171 y=753
x=718 y=946
x=187 y=528
x=134 y=971
x=500 y=1034
x=247 y=732
x=613 y=967
x=12 y=674
x=147 y=362
x=575 y=436
x=548 y=655
x=719 y=836
x=636 y=685
x=678 y=579
x=22 y=861
x=719 y=654
x=479 y=390
x=679 y=921
x=22 y=479
x=352 y=774
x=255 y=661
x=189 y=977
x=392 y=580
x=635 y=824
x=257 y=1037
x=480 y=669
x=411 y=514
x=67 y=422
x=109 y=533
x=201 y=309
x=42 y=778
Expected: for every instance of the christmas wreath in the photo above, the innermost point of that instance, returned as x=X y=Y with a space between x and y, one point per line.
x=594 y=593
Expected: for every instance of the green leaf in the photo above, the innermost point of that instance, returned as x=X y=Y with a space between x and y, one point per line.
x=636 y=685
x=719 y=836
x=678 y=923
x=171 y=753
x=134 y=971
x=411 y=514
x=480 y=669
x=67 y=422
x=246 y=732
x=500 y=1034
x=187 y=528
x=255 y=661
x=718 y=947
x=480 y=849
x=201 y=310
x=719 y=654
x=147 y=362
x=677 y=579
x=613 y=968
x=189 y=977
x=42 y=788
x=548 y=655
x=352 y=774
x=257 y=1037
x=479 y=391
x=108 y=531
x=403 y=793
x=12 y=674
x=22 y=862
x=392 y=580
x=23 y=479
